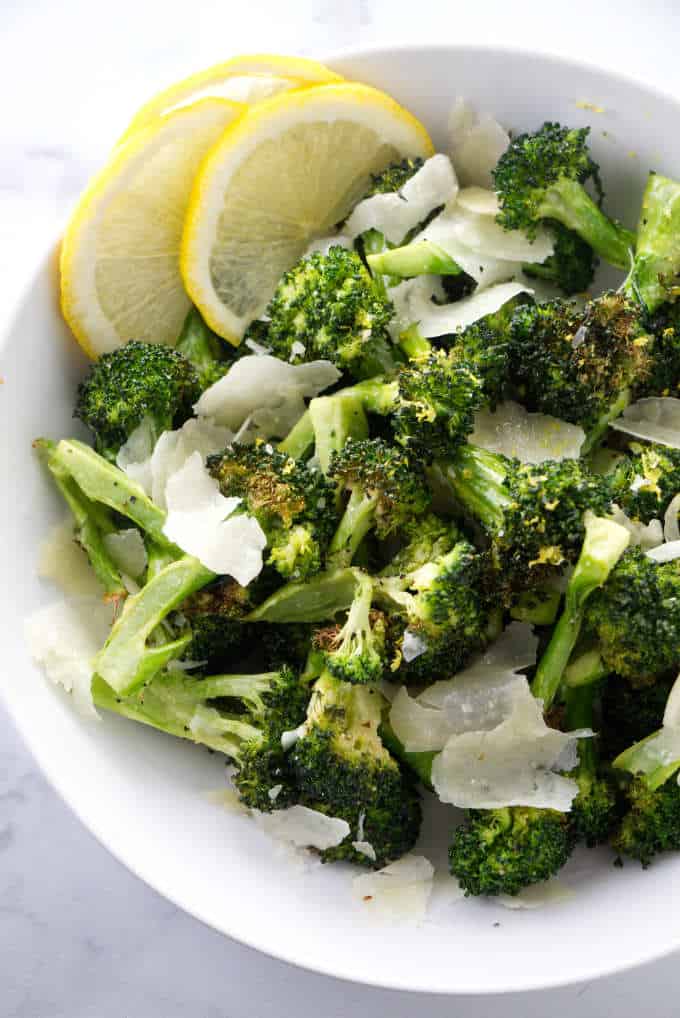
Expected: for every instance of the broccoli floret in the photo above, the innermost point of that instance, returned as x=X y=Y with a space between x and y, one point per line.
x=215 y=615
x=137 y=382
x=430 y=404
x=594 y=811
x=210 y=355
x=292 y=504
x=629 y=714
x=580 y=364
x=385 y=491
x=425 y=538
x=342 y=768
x=646 y=481
x=635 y=618
x=572 y=264
x=357 y=651
x=541 y=176
x=531 y=513
x=394 y=177
x=652 y=822
x=501 y=851
x=663 y=377
x=328 y=306
x=444 y=609
x=242 y=716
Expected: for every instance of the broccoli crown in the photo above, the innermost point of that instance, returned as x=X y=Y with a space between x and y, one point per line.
x=532 y=164
x=394 y=177
x=572 y=264
x=215 y=615
x=437 y=398
x=426 y=538
x=636 y=618
x=594 y=811
x=358 y=650
x=292 y=504
x=327 y=306
x=630 y=714
x=646 y=481
x=573 y=363
x=663 y=378
x=383 y=475
x=137 y=381
x=501 y=851
x=284 y=643
x=652 y=822
x=342 y=768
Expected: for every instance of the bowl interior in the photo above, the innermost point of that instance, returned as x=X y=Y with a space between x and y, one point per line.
x=146 y=797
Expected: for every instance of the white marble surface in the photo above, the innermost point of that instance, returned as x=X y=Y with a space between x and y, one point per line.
x=79 y=936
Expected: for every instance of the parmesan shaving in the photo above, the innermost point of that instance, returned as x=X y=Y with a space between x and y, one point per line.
x=665 y=552
x=62 y=561
x=532 y=438
x=303 y=827
x=477 y=143
x=655 y=419
x=671 y=717
x=365 y=848
x=642 y=535
x=413 y=303
x=399 y=891
x=671 y=529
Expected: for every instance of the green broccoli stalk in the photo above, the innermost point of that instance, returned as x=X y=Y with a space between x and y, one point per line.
x=541 y=176
x=502 y=851
x=419 y=258
x=594 y=810
x=138 y=382
x=654 y=276
x=531 y=513
x=300 y=439
x=242 y=716
x=385 y=490
x=91 y=523
x=604 y=543
x=293 y=504
x=204 y=349
x=357 y=651
x=335 y=419
x=635 y=618
x=342 y=768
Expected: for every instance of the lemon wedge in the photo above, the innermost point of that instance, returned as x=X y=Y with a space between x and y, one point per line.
x=120 y=276
x=286 y=172
x=246 y=79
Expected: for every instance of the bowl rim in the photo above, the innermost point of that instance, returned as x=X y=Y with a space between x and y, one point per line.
x=285 y=955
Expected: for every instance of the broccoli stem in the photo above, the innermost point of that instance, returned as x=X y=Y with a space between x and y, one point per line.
x=377 y=395
x=125 y=661
x=656 y=267
x=413 y=344
x=585 y=669
x=356 y=522
x=373 y=242
x=603 y=545
x=299 y=439
x=335 y=419
x=579 y=704
x=200 y=345
x=91 y=524
x=539 y=606
x=476 y=479
x=599 y=429
x=102 y=482
x=569 y=203
x=316 y=600
x=421 y=258
x=638 y=759
x=419 y=763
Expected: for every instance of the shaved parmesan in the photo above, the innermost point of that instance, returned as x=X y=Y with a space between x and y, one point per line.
x=288 y=739
x=400 y=890
x=413 y=303
x=412 y=645
x=418 y=728
x=659 y=750
x=665 y=552
x=202 y=522
x=513 y=764
x=395 y=214
x=127 y=550
x=532 y=438
x=642 y=535
x=322 y=245
x=671 y=717
x=483 y=235
x=134 y=456
x=477 y=143
x=655 y=419
x=63 y=561
x=267 y=391
x=303 y=827
x=671 y=530
x=479 y=200
x=549 y=892
x=365 y=848
x=63 y=638
x=483 y=268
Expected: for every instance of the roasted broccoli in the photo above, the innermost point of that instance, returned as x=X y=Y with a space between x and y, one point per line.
x=242 y=716
x=215 y=615
x=646 y=481
x=502 y=851
x=541 y=176
x=655 y=274
x=342 y=768
x=394 y=177
x=572 y=264
x=594 y=811
x=292 y=504
x=138 y=382
x=358 y=650
x=210 y=355
x=651 y=823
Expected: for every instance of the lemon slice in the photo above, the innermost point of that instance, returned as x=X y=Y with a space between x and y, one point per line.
x=286 y=172
x=246 y=79
x=120 y=276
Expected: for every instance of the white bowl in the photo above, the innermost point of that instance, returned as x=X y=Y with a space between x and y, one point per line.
x=144 y=795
